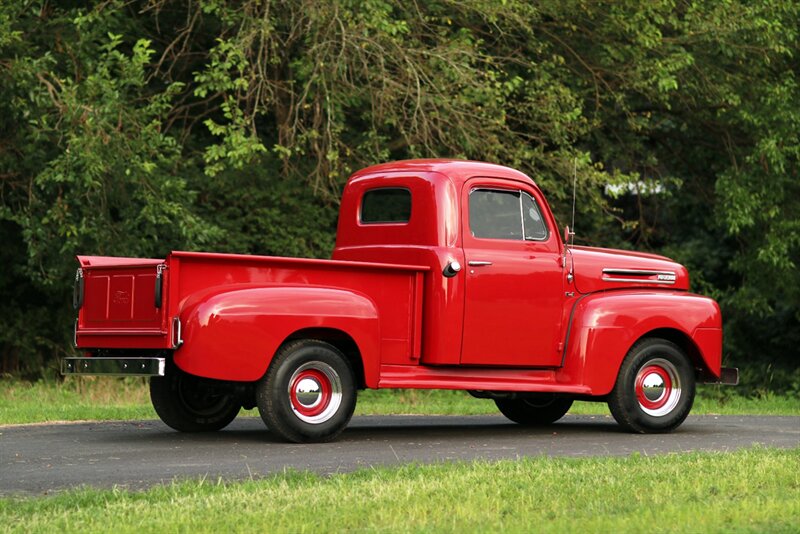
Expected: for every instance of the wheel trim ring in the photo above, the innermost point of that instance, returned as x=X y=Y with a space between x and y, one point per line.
x=667 y=373
x=330 y=392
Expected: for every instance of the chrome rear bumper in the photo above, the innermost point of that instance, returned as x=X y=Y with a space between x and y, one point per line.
x=113 y=366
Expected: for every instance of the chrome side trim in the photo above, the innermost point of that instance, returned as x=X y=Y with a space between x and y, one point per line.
x=113 y=366
x=662 y=277
x=478 y=263
x=639 y=281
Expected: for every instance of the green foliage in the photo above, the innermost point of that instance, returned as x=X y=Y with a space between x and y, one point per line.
x=133 y=128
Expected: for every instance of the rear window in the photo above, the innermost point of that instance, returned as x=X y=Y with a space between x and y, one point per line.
x=386 y=205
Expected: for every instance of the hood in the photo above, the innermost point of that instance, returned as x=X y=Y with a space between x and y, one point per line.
x=599 y=269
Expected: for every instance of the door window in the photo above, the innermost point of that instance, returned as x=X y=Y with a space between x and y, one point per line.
x=499 y=214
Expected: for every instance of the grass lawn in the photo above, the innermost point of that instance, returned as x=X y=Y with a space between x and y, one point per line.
x=98 y=398
x=756 y=490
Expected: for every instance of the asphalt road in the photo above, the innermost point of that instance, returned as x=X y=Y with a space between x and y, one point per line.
x=41 y=459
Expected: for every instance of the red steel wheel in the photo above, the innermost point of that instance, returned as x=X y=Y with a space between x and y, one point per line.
x=655 y=387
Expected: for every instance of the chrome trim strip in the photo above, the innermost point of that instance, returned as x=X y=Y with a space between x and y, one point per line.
x=635 y=272
x=478 y=263
x=639 y=281
x=113 y=366
x=663 y=277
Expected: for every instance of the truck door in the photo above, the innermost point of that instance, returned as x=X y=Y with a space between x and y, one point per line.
x=514 y=280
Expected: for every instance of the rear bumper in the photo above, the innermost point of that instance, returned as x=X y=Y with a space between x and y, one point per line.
x=113 y=366
x=728 y=376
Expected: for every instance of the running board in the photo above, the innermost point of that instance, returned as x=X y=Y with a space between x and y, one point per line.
x=472 y=378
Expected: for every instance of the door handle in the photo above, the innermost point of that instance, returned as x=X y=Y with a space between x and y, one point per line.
x=478 y=263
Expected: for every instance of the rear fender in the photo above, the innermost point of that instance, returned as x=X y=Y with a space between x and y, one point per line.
x=233 y=334
x=605 y=326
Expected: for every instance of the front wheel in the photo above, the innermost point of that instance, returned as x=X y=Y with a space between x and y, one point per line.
x=655 y=387
x=191 y=404
x=535 y=410
x=308 y=393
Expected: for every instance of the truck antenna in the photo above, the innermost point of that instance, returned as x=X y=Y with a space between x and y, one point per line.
x=574 y=182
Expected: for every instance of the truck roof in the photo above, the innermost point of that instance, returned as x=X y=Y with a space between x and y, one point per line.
x=458 y=170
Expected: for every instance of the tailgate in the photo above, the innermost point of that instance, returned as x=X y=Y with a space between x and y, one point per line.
x=121 y=303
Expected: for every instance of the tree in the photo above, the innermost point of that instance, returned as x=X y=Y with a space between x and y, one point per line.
x=135 y=127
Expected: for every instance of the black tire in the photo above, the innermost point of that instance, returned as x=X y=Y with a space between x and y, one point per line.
x=308 y=393
x=535 y=410
x=655 y=388
x=191 y=404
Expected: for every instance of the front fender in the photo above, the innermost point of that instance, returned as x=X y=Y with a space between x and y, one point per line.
x=605 y=326
x=232 y=334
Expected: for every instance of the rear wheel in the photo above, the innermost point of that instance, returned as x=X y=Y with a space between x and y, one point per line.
x=308 y=393
x=535 y=410
x=655 y=387
x=191 y=404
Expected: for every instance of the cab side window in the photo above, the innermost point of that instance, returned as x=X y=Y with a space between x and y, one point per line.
x=500 y=214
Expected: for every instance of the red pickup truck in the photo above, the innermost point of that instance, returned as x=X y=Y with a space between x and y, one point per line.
x=445 y=275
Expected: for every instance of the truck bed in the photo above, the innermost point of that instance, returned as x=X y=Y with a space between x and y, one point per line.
x=121 y=296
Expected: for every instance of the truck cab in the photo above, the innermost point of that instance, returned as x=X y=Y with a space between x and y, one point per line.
x=446 y=274
x=490 y=221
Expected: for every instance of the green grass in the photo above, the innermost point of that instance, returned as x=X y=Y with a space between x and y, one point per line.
x=82 y=398
x=756 y=490
x=97 y=398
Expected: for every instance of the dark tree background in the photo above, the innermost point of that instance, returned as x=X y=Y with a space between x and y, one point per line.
x=133 y=128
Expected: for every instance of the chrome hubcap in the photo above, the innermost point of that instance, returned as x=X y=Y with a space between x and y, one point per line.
x=658 y=387
x=315 y=392
x=308 y=392
x=653 y=386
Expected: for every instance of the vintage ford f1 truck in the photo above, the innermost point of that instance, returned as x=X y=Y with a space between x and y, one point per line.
x=446 y=275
